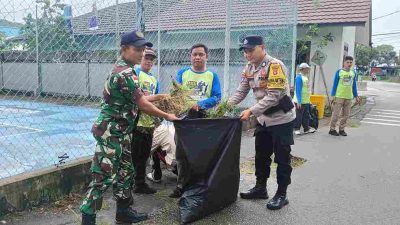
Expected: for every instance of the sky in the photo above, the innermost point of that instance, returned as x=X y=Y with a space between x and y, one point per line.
x=389 y=24
x=15 y=10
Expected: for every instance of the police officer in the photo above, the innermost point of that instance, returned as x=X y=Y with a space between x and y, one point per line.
x=275 y=113
x=112 y=163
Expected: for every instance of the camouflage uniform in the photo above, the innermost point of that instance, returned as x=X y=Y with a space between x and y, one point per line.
x=112 y=162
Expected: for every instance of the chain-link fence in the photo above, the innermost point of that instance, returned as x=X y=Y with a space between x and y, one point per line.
x=56 y=55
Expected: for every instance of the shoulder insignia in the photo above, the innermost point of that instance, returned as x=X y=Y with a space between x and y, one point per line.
x=276 y=77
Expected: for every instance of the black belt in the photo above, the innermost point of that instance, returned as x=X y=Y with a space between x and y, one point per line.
x=285 y=104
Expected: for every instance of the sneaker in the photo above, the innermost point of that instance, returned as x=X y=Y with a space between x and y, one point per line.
x=342 y=133
x=333 y=132
x=151 y=177
x=297 y=132
x=310 y=131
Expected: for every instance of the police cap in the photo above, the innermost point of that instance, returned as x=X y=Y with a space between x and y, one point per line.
x=251 y=42
x=135 y=38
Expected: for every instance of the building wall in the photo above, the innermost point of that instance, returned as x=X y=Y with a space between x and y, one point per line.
x=333 y=52
x=87 y=79
x=363 y=33
x=349 y=38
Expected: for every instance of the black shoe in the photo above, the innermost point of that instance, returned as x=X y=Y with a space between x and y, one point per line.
x=342 y=133
x=333 y=132
x=88 y=219
x=144 y=189
x=277 y=202
x=257 y=192
x=129 y=215
x=177 y=193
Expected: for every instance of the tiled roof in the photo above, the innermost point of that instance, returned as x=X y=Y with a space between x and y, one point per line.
x=334 y=11
x=6 y=23
x=211 y=14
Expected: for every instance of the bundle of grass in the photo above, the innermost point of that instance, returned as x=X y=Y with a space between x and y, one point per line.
x=224 y=110
x=179 y=101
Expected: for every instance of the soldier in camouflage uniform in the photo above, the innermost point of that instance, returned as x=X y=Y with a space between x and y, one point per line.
x=112 y=162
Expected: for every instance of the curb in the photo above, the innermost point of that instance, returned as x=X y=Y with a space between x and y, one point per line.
x=31 y=189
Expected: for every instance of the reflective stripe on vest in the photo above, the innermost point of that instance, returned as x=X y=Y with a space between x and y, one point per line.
x=199 y=83
x=345 y=86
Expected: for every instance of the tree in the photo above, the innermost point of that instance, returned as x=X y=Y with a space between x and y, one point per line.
x=53 y=33
x=6 y=45
x=386 y=54
x=2 y=41
x=365 y=55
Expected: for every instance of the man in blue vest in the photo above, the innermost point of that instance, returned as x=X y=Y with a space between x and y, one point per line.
x=302 y=100
x=206 y=92
x=203 y=82
x=343 y=91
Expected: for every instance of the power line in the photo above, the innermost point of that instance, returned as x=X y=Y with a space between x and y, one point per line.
x=383 y=34
x=396 y=37
x=379 y=17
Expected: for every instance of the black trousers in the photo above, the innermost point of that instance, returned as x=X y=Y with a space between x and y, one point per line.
x=141 y=147
x=273 y=140
x=303 y=117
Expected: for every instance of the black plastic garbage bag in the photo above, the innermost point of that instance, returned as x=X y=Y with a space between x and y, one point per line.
x=211 y=151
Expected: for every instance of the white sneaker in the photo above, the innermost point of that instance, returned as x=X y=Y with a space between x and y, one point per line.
x=150 y=176
x=297 y=132
x=311 y=130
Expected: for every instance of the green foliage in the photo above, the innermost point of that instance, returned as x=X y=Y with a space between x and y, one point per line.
x=386 y=54
x=313 y=34
x=224 y=109
x=364 y=55
x=2 y=41
x=381 y=54
x=5 y=45
x=53 y=33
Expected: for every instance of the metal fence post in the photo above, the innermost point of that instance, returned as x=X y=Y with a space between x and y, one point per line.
x=227 y=47
x=158 y=39
x=2 y=72
x=39 y=76
x=117 y=35
x=293 y=70
x=88 y=77
x=140 y=24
